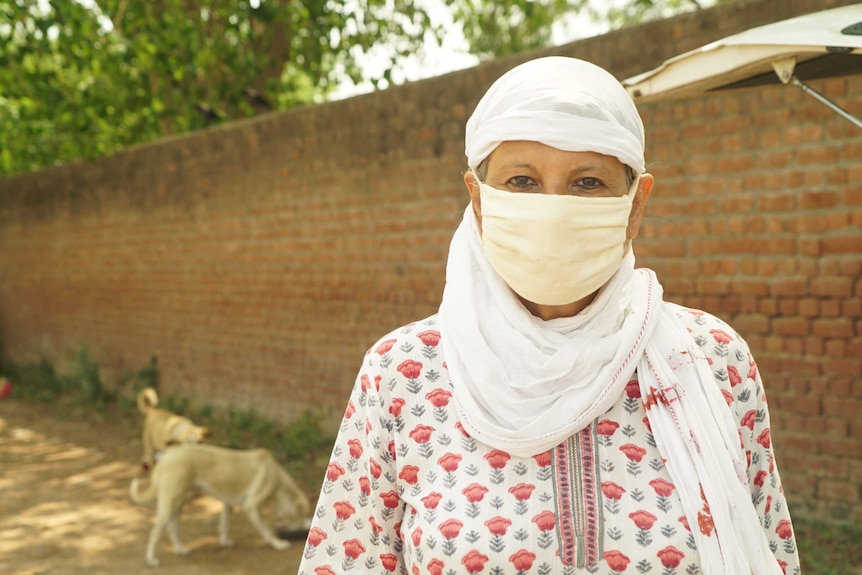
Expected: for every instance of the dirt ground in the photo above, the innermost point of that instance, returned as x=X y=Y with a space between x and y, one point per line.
x=65 y=508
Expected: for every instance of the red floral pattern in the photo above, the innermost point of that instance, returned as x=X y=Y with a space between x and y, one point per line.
x=670 y=556
x=408 y=491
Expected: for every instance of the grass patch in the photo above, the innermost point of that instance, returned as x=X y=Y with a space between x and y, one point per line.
x=828 y=549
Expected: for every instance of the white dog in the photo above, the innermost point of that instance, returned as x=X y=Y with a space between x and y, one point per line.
x=163 y=428
x=248 y=478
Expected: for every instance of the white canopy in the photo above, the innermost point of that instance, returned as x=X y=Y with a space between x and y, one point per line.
x=821 y=44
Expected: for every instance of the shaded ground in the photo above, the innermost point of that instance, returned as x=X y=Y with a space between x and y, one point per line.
x=65 y=508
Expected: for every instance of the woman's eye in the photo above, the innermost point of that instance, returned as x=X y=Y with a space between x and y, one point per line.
x=521 y=182
x=589 y=183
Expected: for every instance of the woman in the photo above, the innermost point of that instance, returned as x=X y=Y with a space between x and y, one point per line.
x=555 y=416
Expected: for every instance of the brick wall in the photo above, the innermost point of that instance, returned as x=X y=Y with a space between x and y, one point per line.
x=259 y=260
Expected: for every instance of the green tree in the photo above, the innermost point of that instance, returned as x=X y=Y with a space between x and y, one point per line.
x=83 y=80
x=503 y=27
x=637 y=11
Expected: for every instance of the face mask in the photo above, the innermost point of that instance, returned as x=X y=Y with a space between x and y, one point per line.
x=553 y=249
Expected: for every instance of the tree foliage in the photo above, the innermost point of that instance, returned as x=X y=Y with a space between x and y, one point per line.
x=510 y=26
x=638 y=11
x=80 y=80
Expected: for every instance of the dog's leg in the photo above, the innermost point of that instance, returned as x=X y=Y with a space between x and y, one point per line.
x=155 y=535
x=173 y=533
x=265 y=531
x=224 y=527
x=167 y=512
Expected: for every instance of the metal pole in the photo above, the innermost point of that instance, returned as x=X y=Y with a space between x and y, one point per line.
x=809 y=90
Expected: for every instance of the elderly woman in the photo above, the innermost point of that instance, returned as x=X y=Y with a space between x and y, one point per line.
x=556 y=415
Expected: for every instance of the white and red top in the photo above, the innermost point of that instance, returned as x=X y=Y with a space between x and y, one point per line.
x=407 y=491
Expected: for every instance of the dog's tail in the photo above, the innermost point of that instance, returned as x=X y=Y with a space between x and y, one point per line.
x=145 y=497
x=147 y=399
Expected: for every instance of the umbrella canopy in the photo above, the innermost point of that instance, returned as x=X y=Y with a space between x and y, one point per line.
x=821 y=44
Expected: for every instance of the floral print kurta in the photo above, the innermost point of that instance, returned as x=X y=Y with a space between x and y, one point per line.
x=407 y=491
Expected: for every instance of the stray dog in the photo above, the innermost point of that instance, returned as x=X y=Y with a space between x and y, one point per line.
x=163 y=428
x=245 y=477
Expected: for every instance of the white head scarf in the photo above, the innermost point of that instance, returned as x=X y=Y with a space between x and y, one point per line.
x=524 y=385
x=562 y=102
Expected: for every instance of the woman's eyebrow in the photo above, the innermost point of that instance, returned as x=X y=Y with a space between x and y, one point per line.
x=519 y=165
x=603 y=170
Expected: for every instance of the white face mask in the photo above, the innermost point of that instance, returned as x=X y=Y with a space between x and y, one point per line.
x=554 y=249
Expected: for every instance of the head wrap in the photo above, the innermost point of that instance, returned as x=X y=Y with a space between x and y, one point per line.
x=561 y=102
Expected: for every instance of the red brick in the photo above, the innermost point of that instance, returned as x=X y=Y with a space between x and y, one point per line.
x=797 y=459
x=788 y=306
x=818 y=200
x=851 y=266
x=798 y=385
x=750 y=287
x=795 y=442
x=791 y=326
x=848 y=244
x=844 y=407
x=812 y=247
x=808 y=224
x=735 y=164
x=818 y=155
x=830 y=308
x=828 y=266
x=837 y=177
x=755 y=341
x=837 y=427
x=812 y=132
x=774 y=344
x=853 y=195
x=808 y=307
x=800 y=366
x=749 y=266
x=737 y=203
x=840 y=490
x=789 y=288
x=769 y=139
x=763 y=267
x=800 y=485
x=768 y=306
x=806 y=405
x=838 y=327
x=829 y=468
x=850 y=448
x=776 y=203
x=751 y=323
x=847 y=367
x=713 y=286
x=795 y=346
x=835 y=348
